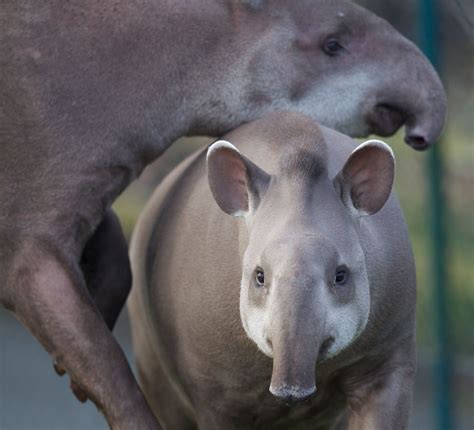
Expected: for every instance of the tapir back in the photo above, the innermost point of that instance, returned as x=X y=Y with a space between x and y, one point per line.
x=187 y=263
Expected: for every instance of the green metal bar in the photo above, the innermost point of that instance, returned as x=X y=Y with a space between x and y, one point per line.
x=438 y=243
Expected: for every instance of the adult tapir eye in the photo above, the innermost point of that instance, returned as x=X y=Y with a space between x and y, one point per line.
x=259 y=277
x=332 y=47
x=340 y=278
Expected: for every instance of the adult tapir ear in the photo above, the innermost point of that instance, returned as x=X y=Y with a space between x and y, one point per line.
x=366 y=180
x=236 y=183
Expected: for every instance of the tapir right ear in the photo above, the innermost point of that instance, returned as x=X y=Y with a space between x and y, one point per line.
x=365 y=182
x=236 y=183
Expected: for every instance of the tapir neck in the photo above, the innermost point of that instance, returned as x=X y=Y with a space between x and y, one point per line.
x=184 y=47
x=132 y=72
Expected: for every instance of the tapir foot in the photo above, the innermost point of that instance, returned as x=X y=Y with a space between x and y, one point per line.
x=58 y=369
x=80 y=394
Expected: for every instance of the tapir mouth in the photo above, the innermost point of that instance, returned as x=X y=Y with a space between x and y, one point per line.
x=385 y=119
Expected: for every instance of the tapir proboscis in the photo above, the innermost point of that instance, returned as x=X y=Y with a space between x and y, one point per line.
x=298 y=311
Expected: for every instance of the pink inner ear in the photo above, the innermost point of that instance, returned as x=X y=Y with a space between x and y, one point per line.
x=228 y=181
x=369 y=171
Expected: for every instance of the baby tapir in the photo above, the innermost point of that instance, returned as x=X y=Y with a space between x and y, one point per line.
x=298 y=309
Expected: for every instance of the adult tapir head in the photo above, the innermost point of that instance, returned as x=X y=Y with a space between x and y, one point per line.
x=304 y=289
x=331 y=60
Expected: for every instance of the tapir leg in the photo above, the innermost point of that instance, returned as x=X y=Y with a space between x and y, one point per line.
x=385 y=403
x=106 y=268
x=156 y=382
x=51 y=299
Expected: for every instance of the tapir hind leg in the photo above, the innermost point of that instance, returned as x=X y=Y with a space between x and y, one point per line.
x=50 y=298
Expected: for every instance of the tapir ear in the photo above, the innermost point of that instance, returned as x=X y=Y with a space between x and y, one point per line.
x=366 y=180
x=236 y=183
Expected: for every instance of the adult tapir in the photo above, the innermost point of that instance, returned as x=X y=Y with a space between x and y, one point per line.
x=91 y=92
x=306 y=292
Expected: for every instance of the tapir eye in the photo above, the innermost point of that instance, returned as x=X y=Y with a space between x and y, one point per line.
x=332 y=47
x=341 y=276
x=259 y=277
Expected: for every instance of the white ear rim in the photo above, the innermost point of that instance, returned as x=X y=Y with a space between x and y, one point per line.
x=377 y=143
x=227 y=145
x=374 y=143
x=218 y=145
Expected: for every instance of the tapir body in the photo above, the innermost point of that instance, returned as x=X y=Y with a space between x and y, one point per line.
x=90 y=92
x=203 y=359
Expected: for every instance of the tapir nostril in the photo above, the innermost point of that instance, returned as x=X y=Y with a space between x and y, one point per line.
x=291 y=394
x=326 y=345
x=417 y=142
x=269 y=343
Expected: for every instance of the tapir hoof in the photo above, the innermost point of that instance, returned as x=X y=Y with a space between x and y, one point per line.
x=58 y=369
x=80 y=394
x=76 y=389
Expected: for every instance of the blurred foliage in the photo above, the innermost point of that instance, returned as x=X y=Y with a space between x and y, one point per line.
x=457 y=53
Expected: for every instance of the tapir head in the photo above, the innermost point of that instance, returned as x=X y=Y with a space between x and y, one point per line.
x=335 y=62
x=304 y=289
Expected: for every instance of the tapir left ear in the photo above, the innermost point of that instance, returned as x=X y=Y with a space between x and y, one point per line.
x=236 y=183
x=366 y=180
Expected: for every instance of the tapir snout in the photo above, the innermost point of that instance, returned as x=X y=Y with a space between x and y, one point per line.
x=298 y=331
x=296 y=346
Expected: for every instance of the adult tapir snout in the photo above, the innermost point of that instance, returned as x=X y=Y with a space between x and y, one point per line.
x=297 y=335
x=426 y=121
x=410 y=93
x=294 y=368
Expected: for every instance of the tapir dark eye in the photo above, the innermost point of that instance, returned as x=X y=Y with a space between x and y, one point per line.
x=332 y=47
x=259 y=277
x=341 y=276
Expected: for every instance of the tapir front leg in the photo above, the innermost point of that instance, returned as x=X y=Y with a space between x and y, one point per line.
x=385 y=403
x=106 y=269
x=51 y=299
